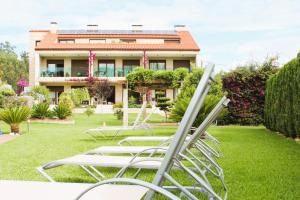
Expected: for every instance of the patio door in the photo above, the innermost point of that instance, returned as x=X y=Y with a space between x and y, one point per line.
x=106 y=68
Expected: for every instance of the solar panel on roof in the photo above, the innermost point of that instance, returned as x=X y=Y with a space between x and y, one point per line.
x=127 y=32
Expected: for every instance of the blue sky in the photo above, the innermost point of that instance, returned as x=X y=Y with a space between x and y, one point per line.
x=229 y=32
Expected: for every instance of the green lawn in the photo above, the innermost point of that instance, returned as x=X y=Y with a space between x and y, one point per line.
x=258 y=164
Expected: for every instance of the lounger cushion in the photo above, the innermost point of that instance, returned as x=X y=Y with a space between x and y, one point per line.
x=126 y=149
x=106 y=161
x=30 y=190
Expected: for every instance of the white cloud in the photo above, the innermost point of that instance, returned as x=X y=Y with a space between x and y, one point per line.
x=241 y=18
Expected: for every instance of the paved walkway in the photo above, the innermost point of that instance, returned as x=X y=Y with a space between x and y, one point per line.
x=6 y=138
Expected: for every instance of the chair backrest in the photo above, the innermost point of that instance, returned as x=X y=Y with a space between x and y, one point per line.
x=139 y=116
x=210 y=118
x=183 y=128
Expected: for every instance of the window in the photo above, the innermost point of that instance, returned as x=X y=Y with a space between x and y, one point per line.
x=55 y=68
x=80 y=68
x=128 y=41
x=106 y=68
x=66 y=41
x=129 y=65
x=177 y=41
x=97 y=41
x=181 y=63
x=157 y=64
x=37 y=42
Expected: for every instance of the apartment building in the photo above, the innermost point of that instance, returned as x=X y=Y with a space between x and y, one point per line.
x=59 y=57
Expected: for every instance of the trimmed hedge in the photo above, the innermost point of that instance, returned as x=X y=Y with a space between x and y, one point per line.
x=282 y=105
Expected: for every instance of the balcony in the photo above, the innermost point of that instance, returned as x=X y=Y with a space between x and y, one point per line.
x=61 y=76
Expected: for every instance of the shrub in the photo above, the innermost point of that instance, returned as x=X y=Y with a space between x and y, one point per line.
x=40 y=111
x=66 y=100
x=15 y=116
x=179 y=76
x=187 y=90
x=42 y=92
x=6 y=95
x=245 y=88
x=282 y=103
x=118 y=105
x=163 y=103
x=79 y=95
x=89 y=111
x=62 y=111
x=119 y=113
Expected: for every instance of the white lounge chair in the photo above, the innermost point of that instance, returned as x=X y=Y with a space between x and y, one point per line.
x=33 y=190
x=137 y=125
x=166 y=140
x=93 y=161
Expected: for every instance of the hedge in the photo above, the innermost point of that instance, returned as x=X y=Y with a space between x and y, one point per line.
x=282 y=104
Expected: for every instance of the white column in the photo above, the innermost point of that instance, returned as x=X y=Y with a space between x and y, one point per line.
x=125 y=107
x=37 y=65
x=169 y=64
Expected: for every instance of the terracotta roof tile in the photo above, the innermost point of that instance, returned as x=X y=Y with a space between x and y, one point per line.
x=187 y=43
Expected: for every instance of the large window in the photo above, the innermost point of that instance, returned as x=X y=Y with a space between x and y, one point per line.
x=55 y=68
x=106 y=68
x=80 y=68
x=157 y=64
x=129 y=65
x=181 y=63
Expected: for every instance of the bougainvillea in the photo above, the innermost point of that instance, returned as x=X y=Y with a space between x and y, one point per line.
x=245 y=88
x=21 y=84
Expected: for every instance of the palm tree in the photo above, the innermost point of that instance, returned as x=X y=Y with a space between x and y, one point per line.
x=14 y=116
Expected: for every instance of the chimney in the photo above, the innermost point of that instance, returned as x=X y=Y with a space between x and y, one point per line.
x=92 y=27
x=53 y=27
x=180 y=28
x=137 y=28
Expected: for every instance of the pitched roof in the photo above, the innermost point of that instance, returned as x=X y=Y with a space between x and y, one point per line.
x=187 y=42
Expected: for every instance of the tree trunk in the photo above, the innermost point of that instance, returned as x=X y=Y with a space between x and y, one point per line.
x=14 y=128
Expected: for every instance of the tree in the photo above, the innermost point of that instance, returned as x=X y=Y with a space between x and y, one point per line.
x=12 y=67
x=102 y=90
x=163 y=103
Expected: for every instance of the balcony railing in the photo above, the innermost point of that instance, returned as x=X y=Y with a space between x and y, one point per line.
x=117 y=72
x=55 y=73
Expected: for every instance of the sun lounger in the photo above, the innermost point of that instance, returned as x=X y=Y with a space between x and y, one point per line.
x=172 y=158
x=33 y=190
x=138 y=124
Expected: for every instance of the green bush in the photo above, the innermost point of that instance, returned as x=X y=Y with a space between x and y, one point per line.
x=15 y=116
x=42 y=90
x=66 y=100
x=40 y=111
x=62 y=111
x=282 y=102
x=118 y=105
x=187 y=91
x=79 y=95
x=245 y=87
x=89 y=111
x=6 y=96
x=119 y=113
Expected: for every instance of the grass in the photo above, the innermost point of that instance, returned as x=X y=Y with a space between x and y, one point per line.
x=258 y=164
